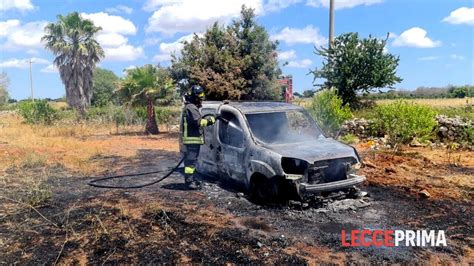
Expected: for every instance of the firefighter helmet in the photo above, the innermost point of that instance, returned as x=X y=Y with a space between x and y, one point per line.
x=197 y=91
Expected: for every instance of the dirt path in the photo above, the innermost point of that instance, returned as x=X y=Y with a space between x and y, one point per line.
x=167 y=223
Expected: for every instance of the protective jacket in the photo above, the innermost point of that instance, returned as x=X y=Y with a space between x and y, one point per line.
x=192 y=124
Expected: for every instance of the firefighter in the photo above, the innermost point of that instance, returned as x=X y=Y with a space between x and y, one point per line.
x=192 y=125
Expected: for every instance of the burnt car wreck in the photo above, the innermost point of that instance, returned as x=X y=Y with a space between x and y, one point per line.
x=275 y=149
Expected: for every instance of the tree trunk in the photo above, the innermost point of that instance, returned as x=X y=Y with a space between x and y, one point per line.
x=151 y=126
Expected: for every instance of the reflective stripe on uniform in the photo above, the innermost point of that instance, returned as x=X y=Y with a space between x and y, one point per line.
x=190 y=140
x=193 y=140
x=189 y=170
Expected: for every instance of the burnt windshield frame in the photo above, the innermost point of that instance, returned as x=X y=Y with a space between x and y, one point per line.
x=314 y=125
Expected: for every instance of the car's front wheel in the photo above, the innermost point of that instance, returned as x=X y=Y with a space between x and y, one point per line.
x=263 y=189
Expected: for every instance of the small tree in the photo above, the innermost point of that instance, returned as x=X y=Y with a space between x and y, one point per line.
x=329 y=111
x=104 y=83
x=234 y=62
x=355 y=65
x=143 y=86
x=4 y=83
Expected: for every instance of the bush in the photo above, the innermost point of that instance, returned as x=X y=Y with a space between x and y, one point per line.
x=329 y=112
x=118 y=115
x=468 y=136
x=349 y=139
x=37 y=112
x=403 y=121
x=167 y=116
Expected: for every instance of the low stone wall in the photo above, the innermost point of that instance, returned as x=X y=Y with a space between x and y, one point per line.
x=448 y=130
x=359 y=127
x=451 y=129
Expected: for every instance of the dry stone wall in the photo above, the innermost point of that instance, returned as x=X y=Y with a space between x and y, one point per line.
x=448 y=130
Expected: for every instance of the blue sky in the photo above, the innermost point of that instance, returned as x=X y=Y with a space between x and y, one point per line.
x=434 y=38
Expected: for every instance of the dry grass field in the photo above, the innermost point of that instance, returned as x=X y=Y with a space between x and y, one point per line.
x=71 y=144
x=437 y=103
x=48 y=214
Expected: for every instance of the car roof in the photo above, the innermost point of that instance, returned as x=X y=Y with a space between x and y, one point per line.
x=254 y=106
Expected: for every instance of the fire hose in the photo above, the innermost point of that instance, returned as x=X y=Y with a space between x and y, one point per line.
x=98 y=179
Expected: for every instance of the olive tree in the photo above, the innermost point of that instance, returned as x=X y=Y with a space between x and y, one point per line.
x=353 y=65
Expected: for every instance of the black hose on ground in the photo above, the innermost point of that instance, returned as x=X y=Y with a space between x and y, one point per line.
x=98 y=179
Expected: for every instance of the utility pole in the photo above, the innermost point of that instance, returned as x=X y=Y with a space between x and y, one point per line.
x=331 y=23
x=31 y=84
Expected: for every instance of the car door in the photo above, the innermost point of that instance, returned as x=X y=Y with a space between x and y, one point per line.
x=207 y=156
x=231 y=144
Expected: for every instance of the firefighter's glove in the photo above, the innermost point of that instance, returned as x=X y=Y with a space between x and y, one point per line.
x=211 y=120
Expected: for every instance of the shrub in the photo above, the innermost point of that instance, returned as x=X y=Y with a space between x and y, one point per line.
x=349 y=139
x=328 y=111
x=37 y=112
x=403 y=121
x=468 y=135
x=118 y=115
x=167 y=116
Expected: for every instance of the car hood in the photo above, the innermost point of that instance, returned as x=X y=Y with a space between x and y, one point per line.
x=317 y=150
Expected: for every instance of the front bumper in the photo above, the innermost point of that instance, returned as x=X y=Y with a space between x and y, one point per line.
x=352 y=180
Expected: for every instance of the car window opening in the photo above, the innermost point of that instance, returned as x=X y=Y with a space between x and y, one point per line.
x=283 y=127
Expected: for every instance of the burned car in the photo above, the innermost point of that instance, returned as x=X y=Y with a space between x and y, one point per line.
x=275 y=148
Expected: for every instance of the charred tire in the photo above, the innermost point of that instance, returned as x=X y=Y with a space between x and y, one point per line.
x=263 y=189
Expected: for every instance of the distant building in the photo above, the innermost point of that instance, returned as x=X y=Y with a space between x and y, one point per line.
x=286 y=83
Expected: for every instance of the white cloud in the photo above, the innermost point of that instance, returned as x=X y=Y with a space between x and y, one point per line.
x=274 y=5
x=415 y=37
x=456 y=57
x=166 y=49
x=6 y=27
x=305 y=63
x=162 y=57
x=18 y=36
x=172 y=16
x=111 y=39
x=22 y=5
x=22 y=63
x=463 y=15
x=152 y=5
x=286 y=55
x=177 y=45
x=308 y=35
x=428 y=58
x=51 y=68
x=120 y=9
x=340 y=4
x=124 y=52
x=111 y=23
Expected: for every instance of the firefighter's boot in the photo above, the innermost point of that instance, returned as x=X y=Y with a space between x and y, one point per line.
x=190 y=179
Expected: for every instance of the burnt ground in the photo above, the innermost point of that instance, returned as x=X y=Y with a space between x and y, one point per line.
x=167 y=223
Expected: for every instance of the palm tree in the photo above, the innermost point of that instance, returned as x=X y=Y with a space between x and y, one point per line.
x=144 y=85
x=71 y=39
